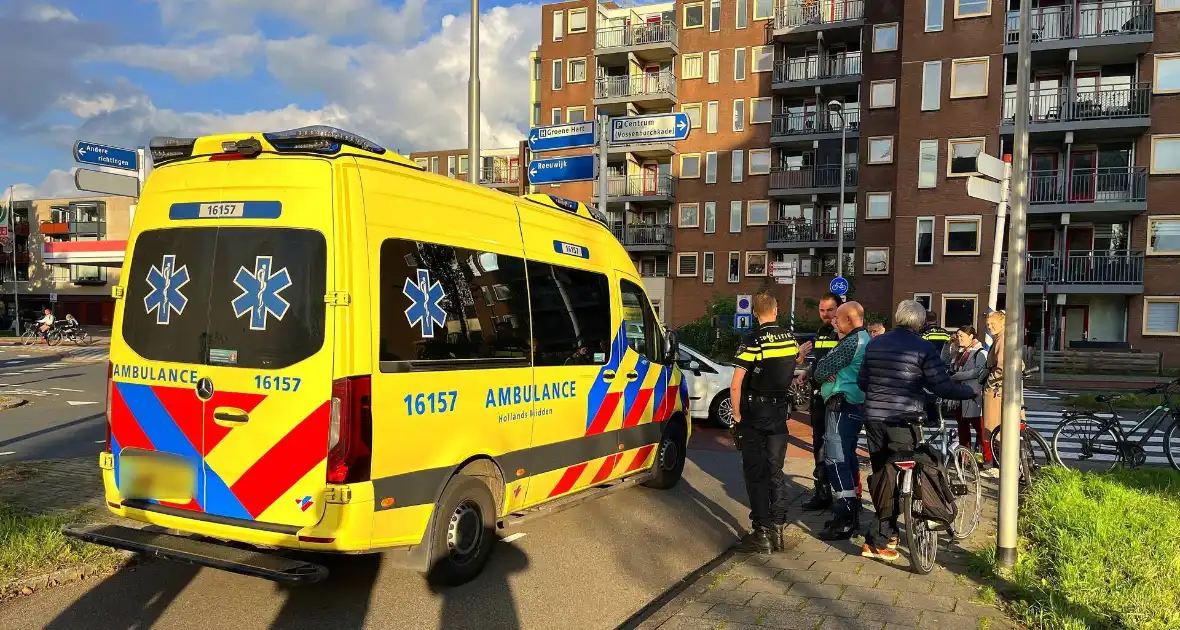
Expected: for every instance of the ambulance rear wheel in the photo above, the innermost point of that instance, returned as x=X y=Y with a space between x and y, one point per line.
x=464 y=532
x=670 y=454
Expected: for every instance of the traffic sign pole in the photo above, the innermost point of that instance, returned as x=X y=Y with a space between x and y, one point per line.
x=997 y=249
x=603 y=149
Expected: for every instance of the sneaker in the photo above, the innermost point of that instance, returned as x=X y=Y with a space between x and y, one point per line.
x=892 y=544
x=990 y=473
x=838 y=529
x=869 y=551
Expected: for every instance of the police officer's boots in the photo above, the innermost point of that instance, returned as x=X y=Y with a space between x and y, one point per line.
x=758 y=541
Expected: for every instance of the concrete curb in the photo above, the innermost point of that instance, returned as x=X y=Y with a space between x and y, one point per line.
x=15 y=402
x=30 y=585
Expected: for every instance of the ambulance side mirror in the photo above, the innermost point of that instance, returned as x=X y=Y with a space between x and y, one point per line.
x=672 y=345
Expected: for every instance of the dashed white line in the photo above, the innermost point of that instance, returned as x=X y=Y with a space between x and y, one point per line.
x=8 y=453
x=75 y=403
x=66 y=389
x=513 y=537
x=24 y=356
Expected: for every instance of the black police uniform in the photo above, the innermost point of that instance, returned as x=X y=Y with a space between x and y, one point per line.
x=768 y=356
x=826 y=339
x=936 y=335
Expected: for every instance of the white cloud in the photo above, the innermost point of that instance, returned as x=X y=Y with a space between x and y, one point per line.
x=229 y=55
x=367 y=18
x=58 y=183
x=48 y=13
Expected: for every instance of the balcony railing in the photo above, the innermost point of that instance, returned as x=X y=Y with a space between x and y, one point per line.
x=1104 y=19
x=663 y=32
x=804 y=123
x=499 y=175
x=644 y=234
x=793 y=13
x=655 y=84
x=827 y=176
x=1050 y=105
x=808 y=231
x=638 y=186
x=1088 y=185
x=1082 y=267
x=812 y=68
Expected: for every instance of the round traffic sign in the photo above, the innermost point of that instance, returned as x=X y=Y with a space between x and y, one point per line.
x=839 y=285
x=743 y=303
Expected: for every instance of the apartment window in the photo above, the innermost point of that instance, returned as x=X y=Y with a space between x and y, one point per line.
x=714 y=66
x=686 y=264
x=925 y=299
x=690 y=165
x=763 y=9
x=423 y=162
x=736 y=165
x=879 y=205
x=707 y=267
x=742 y=20
x=693 y=111
x=739 y=64
x=881 y=150
x=882 y=93
x=760 y=110
x=884 y=37
x=556 y=74
x=434 y=163
x=759 y=161
x=463 y=160
x=690 y=66
x=1165 y=154
x=735 y=262
x=735 y=217
x=972 y=8
x=931 y=86
x=962 y=235
x=934 y=12
x=961 y=156
x=711 y=167
x=714 y=16
x=756 y=264
x=876 y=261
x=555 y=116
x=969 y=77
x=558 y=25
x=577 y=69
x=577 y=21
x=575 y=114
x=1167 y=6
x=1167 y=73
x=689 y=215
x=924 y=243
x=536 y=114
x=1163 y=235
x=1161 y=316
x=450 y=166
x=711 y=111
x=958 y=310
x=739 y=114
x=537 y=68
x=763 y=60
x=694 y=15
x=759 y=212
x=710 y=217
x=928 y=164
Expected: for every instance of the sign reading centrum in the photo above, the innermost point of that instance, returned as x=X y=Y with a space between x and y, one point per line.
x=650 y=128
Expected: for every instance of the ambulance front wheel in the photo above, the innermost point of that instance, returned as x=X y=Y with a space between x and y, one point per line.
x=464 y=532
x=670 y=454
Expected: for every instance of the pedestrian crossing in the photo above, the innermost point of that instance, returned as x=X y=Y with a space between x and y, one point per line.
x=1046 y=422
x=11 y=368
x=87 y=355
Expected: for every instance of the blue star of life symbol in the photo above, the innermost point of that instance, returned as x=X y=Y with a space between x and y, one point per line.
x=165 y=296
x=425 y=308
x=260 y=292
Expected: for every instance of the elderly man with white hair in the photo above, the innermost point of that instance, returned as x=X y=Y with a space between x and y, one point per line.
x=899 y=366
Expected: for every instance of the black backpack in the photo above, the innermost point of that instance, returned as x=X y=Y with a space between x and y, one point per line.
x=934 y=497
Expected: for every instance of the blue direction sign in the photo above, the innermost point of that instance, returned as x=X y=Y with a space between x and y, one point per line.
x=103 y=155
x=575 y=168
x=568 y=136
x=839 y=285
x=741 y=322
x=650 y=128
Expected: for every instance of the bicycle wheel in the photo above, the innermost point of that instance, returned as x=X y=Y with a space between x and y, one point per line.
x=54 y=337
x=964 y=471
x=1172 y=445
x=922 y=541
x=1042 y=455
x=1086 y=438
x=81 y=338
x=1026 y=459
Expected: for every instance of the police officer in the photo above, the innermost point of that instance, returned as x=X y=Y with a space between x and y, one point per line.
x=764 y=368
x=934 y=333
x=826 y=339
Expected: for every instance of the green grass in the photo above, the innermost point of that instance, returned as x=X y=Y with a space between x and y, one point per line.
x=34 y=545
x=1097 y=550
x=1127 y=401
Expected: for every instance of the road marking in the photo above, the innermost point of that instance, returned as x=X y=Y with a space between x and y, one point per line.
x=509 y=538
x=8 y=453
x=75 y=403
x=66 y=389
x=24 y=356
x=100 y=441
x=13 y=362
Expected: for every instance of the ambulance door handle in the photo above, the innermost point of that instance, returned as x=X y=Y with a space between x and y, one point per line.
x=631 y=376
x=608 y=375
x=230 y=417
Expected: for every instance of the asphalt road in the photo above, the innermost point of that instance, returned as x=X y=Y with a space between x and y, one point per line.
x=64 y=416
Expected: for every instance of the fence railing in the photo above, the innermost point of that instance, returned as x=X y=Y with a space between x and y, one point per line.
x=499 y=175
x=1082 y=267
x=793 y=13
x=827 y=176
x=644 y=234
x=1088 y=185
x=811 y=68
x=662 y=32
x=654 y=84
x=800 y=123
x=1060 y=104
x=638 y=186
x=809 y=231
x=1104 y=19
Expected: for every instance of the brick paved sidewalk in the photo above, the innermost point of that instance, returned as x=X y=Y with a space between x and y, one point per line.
x=817 y=585
x=48 y=486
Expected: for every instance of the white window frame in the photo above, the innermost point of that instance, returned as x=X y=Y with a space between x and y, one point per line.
x=693 y=124
x=1151 y=220
x=1164 y=299
x=959 y=15
x=974 y=297
x=710 y=211
x=1155 y=72
x=737 y=165
x=741 y=18
x=684 y=59
x=924 y=144
x=714 y=25
x=680 y=223
x=950 y=153
x=712 y=112
x=1172 y=9
x=929 y=299
x=735 y=210
x=452 y=166
x=865 y=264
x=770 y=110
x=869 y=205
x=713 y=67
x=423 y=162
x=558 y=25
x=684 y=15
x=684 y=256
x=892 y=83
x=977 y=219
x=750 y=212
x=932 y=69
x=1156 y=139
x=739 y=65
x=555 y=115
x=739 y=118
x=558 y=81
x=917 y=242
x=892 y=149
x=569 y=66
x=754 y=58
x=881 y=27
x=710 y=173
x=958 y=63
x=769 y=161
x=708 y=271
x=765 y=264
x=684 y=156
x=434 y=164
x=569 y=21
x=767 y=16
x=729 y=258
x=575 y=108
x=934 y=28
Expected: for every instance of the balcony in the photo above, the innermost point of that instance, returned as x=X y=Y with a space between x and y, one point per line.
x=1082 y=272
x=802 y=74
x=1101 y=114
x=650 y=41
x=805 y=233
x=1104 y=32
x=500 y=176
x=654 y=90
x=811 y=180
x=51 y=228
x=796 y=21
x=1112 y=189
x=638 y=189
x=804 y=127
x=640 y=237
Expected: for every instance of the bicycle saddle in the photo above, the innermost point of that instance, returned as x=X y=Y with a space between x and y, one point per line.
x=1104 y=398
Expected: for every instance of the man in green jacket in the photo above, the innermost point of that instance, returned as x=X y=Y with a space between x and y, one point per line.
x=843 y=399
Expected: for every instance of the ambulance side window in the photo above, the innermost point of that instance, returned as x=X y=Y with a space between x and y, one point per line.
x=571 y=315
x=643 y=331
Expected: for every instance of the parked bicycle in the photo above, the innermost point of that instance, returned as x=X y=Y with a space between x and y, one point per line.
x=1034 y=448
x=1104 y=441
x=73 y=334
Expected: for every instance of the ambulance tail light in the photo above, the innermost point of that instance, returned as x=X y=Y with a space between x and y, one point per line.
x=110 y=384
x=350 y=430
x=237 y=150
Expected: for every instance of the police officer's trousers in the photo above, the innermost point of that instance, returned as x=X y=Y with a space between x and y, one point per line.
x=763 y=436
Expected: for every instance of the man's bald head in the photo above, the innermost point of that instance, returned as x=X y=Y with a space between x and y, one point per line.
x=849 y=316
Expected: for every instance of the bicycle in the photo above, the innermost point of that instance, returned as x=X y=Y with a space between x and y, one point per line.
x=963 y=470
x=1105 y=440
x=31 y=335
x=1034 y=448
x=75 y=334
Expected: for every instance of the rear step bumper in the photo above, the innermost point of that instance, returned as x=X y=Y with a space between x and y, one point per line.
x=208 y=554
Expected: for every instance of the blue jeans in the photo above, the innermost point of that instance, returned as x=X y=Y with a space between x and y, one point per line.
x=841 y=432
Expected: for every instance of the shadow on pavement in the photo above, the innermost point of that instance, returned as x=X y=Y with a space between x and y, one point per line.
x=486 y=601
x=47 y=378
x=141 y=602
x=48 y=430
x=341 y=601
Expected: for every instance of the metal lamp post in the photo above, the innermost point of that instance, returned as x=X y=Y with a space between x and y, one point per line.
x=474 y=166
x=838 y=108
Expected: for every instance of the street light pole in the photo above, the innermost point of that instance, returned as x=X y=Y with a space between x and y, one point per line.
x=474 y=167
x=838 y=108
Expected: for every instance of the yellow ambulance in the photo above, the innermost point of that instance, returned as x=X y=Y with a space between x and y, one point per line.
x=319 y=346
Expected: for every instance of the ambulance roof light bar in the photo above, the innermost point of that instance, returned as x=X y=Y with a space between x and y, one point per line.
x=320 y=139
x=166 y=149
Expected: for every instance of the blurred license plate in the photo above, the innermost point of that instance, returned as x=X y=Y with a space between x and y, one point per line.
x=157 y=476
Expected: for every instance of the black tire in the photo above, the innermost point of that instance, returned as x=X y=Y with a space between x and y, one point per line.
x=1029 y=465
x=965 y=470
x=1172 y=444
x=54 y=337
x=721 y=410
x=464 y=532
x=1042 y=453
x=922 y=542
x=1109 y=440
x=668 y=465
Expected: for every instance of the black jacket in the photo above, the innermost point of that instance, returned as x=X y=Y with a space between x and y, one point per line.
x=898 y=367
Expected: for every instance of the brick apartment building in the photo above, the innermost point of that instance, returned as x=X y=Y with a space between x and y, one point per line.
x=919 y=88
x=501 y=169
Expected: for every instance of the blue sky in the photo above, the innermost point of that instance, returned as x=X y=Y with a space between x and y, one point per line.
x=122 y=71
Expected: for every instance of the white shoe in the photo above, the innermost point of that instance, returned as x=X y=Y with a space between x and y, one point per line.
x=991 y=473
